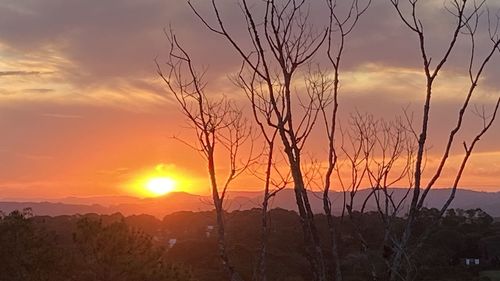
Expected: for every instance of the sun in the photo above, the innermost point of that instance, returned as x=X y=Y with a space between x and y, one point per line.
x=161 y=186
x=158 y=181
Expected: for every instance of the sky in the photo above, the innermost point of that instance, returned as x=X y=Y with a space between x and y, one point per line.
x=83 y=112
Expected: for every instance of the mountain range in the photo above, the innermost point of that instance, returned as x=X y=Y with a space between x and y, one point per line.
x=237 y=200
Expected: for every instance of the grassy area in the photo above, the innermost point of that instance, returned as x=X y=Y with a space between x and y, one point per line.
x=494 y=275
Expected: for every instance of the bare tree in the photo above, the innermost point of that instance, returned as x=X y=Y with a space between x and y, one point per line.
x=466 y=14
x=340 y=27
x=218 y=124
x=283 y=40
x=273 y=178
x=390 y=163
x=381 y=153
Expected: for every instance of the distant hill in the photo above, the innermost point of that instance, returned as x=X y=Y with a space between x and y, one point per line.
x=53 y=209
x=159 y=207
x=464 y=199
x=181 y=201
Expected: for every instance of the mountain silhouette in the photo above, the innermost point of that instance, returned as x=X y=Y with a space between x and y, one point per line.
x=237 y=200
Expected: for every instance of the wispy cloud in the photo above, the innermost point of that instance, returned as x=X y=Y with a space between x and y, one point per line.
x=38 y=90
x=20 y=73
x=62 y=116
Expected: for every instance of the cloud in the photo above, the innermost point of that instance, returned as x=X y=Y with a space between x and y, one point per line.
x=39 y=90
x=62 y=116
x=118 y=45
x=118 y=172
x=19 y=73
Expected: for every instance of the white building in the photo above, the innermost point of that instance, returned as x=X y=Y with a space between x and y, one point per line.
x=171 y=242
x=471 y=261
x=209 y=230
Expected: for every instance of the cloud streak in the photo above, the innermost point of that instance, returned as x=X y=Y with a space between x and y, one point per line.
x=19 y=73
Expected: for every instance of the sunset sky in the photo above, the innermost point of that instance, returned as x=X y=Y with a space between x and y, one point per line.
x=83 y=112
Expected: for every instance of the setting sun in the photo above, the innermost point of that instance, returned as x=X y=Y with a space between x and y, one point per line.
x=160 y=186
x=159 y=180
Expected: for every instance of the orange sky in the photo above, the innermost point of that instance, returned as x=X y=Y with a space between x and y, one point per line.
x=83 y=113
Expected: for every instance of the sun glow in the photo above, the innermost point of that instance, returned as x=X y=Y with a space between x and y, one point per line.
x=161 y=186
x=158 y=181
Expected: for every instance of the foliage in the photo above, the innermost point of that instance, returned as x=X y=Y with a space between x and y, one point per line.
x=103 y=247
x=114 y=252
x=97 y=252
x=26 y=253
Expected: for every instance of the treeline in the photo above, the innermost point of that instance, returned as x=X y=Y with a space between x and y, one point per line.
x=183 y=246
x=31 y=250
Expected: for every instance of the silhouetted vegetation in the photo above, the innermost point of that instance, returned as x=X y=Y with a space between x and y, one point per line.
x=80 y=248
x=183 y=246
